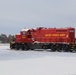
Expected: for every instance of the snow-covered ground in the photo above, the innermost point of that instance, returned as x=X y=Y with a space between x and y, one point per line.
x=36 y=62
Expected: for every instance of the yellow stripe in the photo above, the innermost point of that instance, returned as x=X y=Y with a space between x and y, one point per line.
x=54 y=35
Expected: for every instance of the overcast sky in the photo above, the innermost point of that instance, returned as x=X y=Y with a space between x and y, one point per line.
x=18 y=14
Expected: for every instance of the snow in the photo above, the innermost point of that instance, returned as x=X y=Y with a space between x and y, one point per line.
x=36 y=62
x=24 y=29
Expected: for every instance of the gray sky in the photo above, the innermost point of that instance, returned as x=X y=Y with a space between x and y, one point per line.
x=17 y=14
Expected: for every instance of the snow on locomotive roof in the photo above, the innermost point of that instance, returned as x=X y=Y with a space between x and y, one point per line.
x=24 y=29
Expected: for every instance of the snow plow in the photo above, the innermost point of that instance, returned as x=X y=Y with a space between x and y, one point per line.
x=55 y=39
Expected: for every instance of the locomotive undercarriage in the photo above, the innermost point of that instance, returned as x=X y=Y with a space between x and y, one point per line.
x=52 y=46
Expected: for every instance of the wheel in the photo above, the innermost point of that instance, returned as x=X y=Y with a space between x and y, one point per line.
x=25 y=47
x=75 y=48
x=59 y=48
x=53 y=48
x=17 y=46
x=71 y=50
x=32 y=49
x=66 y=48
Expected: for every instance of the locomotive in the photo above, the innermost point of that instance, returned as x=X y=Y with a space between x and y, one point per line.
x=55 y=39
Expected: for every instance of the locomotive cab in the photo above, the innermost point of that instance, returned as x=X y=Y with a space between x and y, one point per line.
x=22 y=40
x=26 y=36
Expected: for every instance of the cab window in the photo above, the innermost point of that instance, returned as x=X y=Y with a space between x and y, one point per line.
x=23 y=33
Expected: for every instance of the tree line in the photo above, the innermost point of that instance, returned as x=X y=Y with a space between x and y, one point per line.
x=6 y=39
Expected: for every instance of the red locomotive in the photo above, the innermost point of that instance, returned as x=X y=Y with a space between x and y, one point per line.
x=60 y=39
